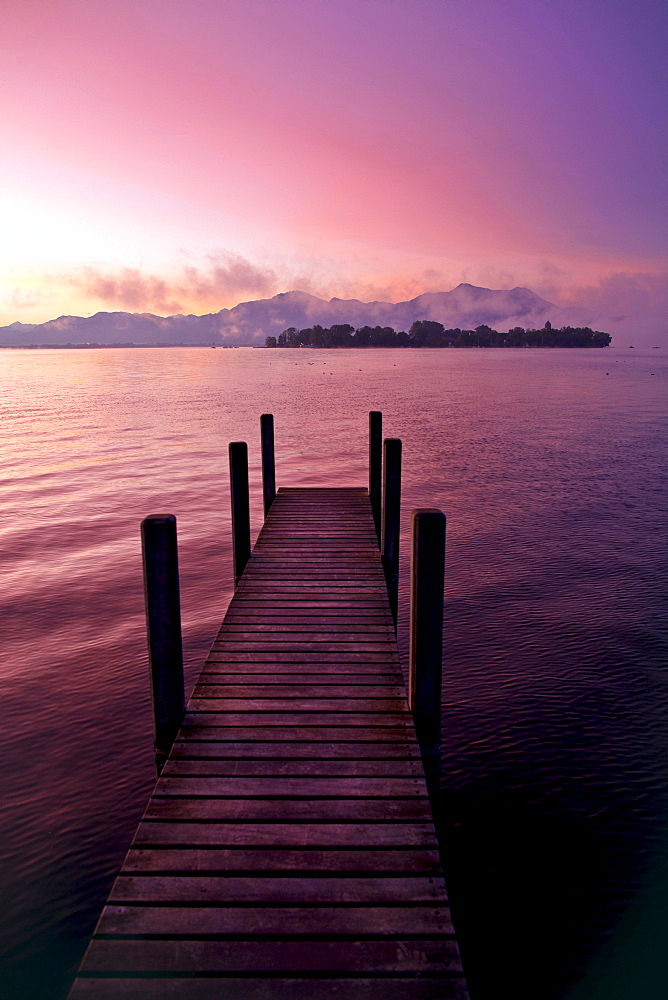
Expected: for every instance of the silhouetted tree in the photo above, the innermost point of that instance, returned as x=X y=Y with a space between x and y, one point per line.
x=342 y=335
x=423 y=329
x=429 y=333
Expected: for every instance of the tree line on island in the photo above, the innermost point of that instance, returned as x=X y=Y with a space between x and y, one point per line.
x=429 y=333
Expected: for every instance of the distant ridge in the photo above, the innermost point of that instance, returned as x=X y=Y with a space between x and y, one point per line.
x=249 y=323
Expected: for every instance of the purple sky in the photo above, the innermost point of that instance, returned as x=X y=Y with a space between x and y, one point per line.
x=177 y=156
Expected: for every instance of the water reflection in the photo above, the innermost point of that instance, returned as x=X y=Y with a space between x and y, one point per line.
x=554 y=706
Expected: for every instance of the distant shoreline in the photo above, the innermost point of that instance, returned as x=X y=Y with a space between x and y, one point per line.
x=423 y=333
x=96 y=347
x=308 y=347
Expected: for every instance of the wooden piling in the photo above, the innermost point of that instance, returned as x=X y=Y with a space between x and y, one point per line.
x=390 y=520
x=376 y=466
x=163 y=624
x=268 y=464
x=426 y=633
x=241 y=544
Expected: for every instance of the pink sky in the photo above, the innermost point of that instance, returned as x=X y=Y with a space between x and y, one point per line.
x=179 y=156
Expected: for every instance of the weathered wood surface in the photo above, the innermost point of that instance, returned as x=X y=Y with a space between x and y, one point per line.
x=288 y=851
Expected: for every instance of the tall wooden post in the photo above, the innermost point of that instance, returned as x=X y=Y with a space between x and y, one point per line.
x=268 y=466
x=376 y=466
x=426 y=635
x=163 y=625
x=390 y=520
x=241 y=545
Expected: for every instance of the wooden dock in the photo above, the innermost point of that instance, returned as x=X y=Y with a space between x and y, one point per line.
x=288 y=851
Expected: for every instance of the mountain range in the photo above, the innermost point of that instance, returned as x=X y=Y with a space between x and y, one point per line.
x=249 y=323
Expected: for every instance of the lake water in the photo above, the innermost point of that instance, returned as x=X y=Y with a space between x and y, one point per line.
x=549 y=466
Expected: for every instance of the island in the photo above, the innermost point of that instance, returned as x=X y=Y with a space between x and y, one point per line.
x=429 y=333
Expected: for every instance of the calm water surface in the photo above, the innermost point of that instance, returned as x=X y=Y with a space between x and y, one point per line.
x=549 y=466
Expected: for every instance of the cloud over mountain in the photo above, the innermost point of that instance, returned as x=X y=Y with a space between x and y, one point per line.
x=249 y=323
x=225 y=274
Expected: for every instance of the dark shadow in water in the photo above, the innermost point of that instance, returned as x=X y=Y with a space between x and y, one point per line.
x=531 y=873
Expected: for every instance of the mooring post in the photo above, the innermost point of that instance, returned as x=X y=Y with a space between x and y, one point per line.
x=241 y=546
x=426 y=635
x=268 y=466
x=163 y=626
x=376 y=466
x=390 y=520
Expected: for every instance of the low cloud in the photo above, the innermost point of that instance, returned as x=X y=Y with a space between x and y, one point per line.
x=223 y=280
x=622 y=294
x=129 y=289
x=227 y=275
x=631 y=306
x=394 y=289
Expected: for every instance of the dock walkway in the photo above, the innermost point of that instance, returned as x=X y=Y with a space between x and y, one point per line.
x=288 y=851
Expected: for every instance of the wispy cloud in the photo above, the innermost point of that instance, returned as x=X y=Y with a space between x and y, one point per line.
x=21 y=298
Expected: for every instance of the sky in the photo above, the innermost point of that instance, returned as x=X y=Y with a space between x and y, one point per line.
x=171 y=156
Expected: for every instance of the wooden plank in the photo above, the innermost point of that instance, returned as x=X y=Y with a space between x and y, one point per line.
x=361 y=610
x=275 y=602
x=318 y=670
x=312 y=531
x=218 y=861
x=325 y=697
x=209 y=728
x=180 y=957
x=271 y=988
x=177 y=766
x=301 y=675
x=341 y=921
x=317 y=547
x=211 y=688
x=220 y=655
x=222 y=682
x=270 y=572
x=271 y=753
x=301 y=645
x=278 y=704
x=332 y=561
x=304 y=591
x=307 y=656
x=367 y=721
x=221 y=671
x=294 y=617
x=245 y=890
x=288 y=641
x=279 y=786
x=302 y=628
x=290 y=584
x=356 y=810
x=334 y=836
